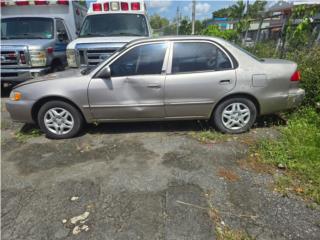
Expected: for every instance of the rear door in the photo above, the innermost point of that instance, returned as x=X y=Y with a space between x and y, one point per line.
x=135 y=89
x=199 y=74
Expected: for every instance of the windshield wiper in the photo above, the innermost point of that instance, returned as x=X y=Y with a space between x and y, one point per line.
x=29 y=36
x=126 y=34
x=93 y=35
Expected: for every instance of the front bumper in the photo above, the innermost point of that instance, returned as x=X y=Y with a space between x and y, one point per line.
x=20 y=111
x=18 y=75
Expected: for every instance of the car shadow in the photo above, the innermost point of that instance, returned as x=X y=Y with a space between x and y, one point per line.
x=160 y=126
x=136 y=127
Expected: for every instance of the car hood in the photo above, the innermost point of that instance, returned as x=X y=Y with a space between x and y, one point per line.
x=31 y=43
x=65 y=75
x=104 y=40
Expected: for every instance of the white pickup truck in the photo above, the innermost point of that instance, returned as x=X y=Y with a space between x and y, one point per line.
x=108 y=26
x=35 y=34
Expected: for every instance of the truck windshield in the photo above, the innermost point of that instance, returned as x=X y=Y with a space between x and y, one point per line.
x=27 y=28
x=114 y=25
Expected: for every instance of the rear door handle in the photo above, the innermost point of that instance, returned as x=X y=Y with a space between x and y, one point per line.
x=154 y=85
x=225 y=81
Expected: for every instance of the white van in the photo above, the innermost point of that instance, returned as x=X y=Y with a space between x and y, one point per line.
x=35 y=34
x=108 y=26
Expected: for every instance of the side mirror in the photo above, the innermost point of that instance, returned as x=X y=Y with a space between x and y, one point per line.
x=104 y=73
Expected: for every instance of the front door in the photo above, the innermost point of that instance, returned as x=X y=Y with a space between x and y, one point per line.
x=136 y=87
x=201 y=72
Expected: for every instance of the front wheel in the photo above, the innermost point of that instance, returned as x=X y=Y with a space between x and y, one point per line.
x=59 y=120
x=235 y=115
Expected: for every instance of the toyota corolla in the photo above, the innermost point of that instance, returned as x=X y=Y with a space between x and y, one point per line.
x=172 y=78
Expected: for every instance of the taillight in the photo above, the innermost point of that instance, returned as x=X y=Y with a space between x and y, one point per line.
x=40 y=2
x=96 y=7
x=124 y=6
x=63 y=2
x=3 y=3
x=135 y=6
x=296 y=76
x=22 y=58
x=50 y=50
x=106 y=6
x=22 y=3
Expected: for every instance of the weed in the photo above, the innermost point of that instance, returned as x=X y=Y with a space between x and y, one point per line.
x=209 y=136
x=298 y=149
x=24 y=135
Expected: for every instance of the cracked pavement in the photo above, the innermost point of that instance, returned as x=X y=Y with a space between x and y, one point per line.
x=141 y=181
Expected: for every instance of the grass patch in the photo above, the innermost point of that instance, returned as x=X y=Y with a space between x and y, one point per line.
x=231 y=234
x=298 y=150
x=209 y=136
x=24 y=135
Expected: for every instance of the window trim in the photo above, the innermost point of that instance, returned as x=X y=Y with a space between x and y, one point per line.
x=164 y=64
x=169 y=70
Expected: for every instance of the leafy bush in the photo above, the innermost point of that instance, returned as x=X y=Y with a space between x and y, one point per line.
x=299 y=150
x=309 y=65
x=214 y=31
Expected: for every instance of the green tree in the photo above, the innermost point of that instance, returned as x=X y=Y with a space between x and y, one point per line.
x=237 y=10
x=158 y=22
x=221 y=13
x=256 y=8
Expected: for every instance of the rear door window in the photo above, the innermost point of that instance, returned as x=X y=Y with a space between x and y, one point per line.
x=198 y=57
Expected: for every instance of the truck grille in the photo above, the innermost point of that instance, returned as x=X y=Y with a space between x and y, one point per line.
x=89 y=55
x=94 y=57
x=12 y=56
x=9 y=58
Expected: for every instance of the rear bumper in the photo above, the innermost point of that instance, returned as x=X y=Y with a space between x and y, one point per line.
x=278 y=103
x=20 y=111
x=295 y=97
x=18 y=75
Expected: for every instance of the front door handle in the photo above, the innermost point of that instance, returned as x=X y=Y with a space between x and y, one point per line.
x=154 y=85
x=225 y=81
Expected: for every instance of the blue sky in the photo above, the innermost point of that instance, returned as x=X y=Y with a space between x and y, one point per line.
x=204 y=9
x=168 y=8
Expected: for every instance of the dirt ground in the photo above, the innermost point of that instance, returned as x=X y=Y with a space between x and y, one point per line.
x=141 y=181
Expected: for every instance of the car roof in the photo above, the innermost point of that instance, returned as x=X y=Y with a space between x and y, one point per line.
x=175 y=38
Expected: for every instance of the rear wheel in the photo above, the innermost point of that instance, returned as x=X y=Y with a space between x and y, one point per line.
x=59 y=120
x=235 y=115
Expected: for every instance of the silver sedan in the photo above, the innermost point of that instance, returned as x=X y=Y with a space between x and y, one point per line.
x=170 y=78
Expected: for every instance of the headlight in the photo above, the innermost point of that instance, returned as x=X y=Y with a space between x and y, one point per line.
x=71 y=57
x=15 y=96
x=38 y=58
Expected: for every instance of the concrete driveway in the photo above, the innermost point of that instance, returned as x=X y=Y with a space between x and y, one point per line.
x=141 y=181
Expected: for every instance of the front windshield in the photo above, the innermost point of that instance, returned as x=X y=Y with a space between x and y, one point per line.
x=26 y=28
x=114 y=25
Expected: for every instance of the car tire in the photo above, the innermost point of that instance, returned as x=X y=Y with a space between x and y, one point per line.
x=59 y=120
x=235 y=115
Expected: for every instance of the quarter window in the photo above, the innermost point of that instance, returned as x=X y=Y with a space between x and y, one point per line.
x=62 y=31
x=141 y=60
x=193 y=57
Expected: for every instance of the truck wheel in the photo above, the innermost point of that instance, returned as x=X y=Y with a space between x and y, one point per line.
x=57 y=66
x=235 y=115
x=59 y=120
